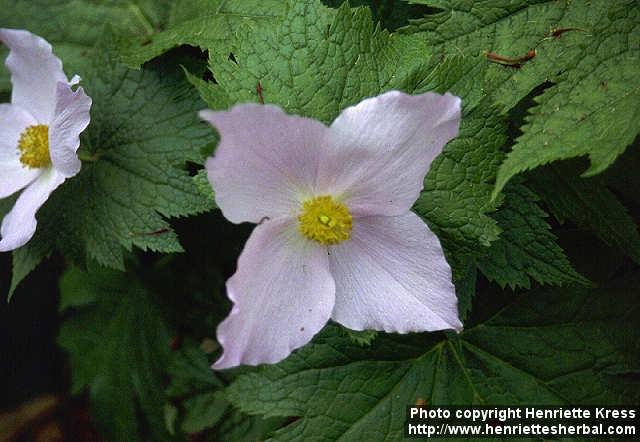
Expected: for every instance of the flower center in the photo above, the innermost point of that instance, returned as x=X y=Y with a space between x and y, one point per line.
x=34 y=146
x=325 y=220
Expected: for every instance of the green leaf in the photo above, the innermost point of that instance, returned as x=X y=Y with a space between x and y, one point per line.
x=471 y=29
x=205 y=24
x=170 y=417
x=391 y=14
x=454 y=73
x=78 y=290
x=363 y=338
x=197 y=388
x=24 y=260
x=144 y=129
x=456 y=199
x=316 y=62
x=118 y=345
x=203 y=411
x=589 y=50
x=555 y=347
x=201 y=404
x=73 y=27
x=237 y=426
x=191 y=372
x=465 y=274
x=527 y=248
x=201 y=182
x=594 y=109
x=589 y=203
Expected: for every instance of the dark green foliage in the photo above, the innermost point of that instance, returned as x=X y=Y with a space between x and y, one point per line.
x=545 y=263
x=119 y=347
x=546 y=347
x=526 y=249
x=590 y=204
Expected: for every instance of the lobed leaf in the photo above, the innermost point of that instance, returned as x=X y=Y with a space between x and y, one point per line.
x=554 y=347
x=206 y=24
x=316 y=62
x=51 y=20
x=594 y=108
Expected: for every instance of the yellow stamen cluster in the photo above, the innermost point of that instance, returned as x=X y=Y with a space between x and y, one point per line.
x=325 y=220
x=34 y=146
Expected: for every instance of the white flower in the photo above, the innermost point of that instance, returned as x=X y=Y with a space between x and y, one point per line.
x=336 y=238
x=39 y=132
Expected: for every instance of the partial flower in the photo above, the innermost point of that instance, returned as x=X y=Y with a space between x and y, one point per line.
x=39 y=132
x=335 y=238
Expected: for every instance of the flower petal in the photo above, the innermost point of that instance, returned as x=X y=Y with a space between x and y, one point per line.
x=392 y=275
x=383 y=147
x=266 y=162
x=35 y=71
x=19 y=225
x=70 y=118
x=13 y=174
x=283 y=295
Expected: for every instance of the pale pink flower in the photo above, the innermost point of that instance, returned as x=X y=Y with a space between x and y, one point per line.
x=39 y=132
x=335 y=238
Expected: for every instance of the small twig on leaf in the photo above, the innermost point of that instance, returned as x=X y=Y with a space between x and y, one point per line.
x=259 y=91
x=515 y=62
x=557 y=32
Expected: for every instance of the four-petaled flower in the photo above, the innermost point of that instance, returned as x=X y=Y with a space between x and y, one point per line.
x=39 y=132
x=336 y=238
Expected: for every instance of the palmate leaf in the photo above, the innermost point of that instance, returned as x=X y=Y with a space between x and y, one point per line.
x=316 y=62
x=144 y=128
x=74 y=27
x=506 y=28
x=594 y=109
x=549 y=347
x=118 y=345
x=589 y=49
x=557 y=30
x=205 y=24
x=211 y=24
